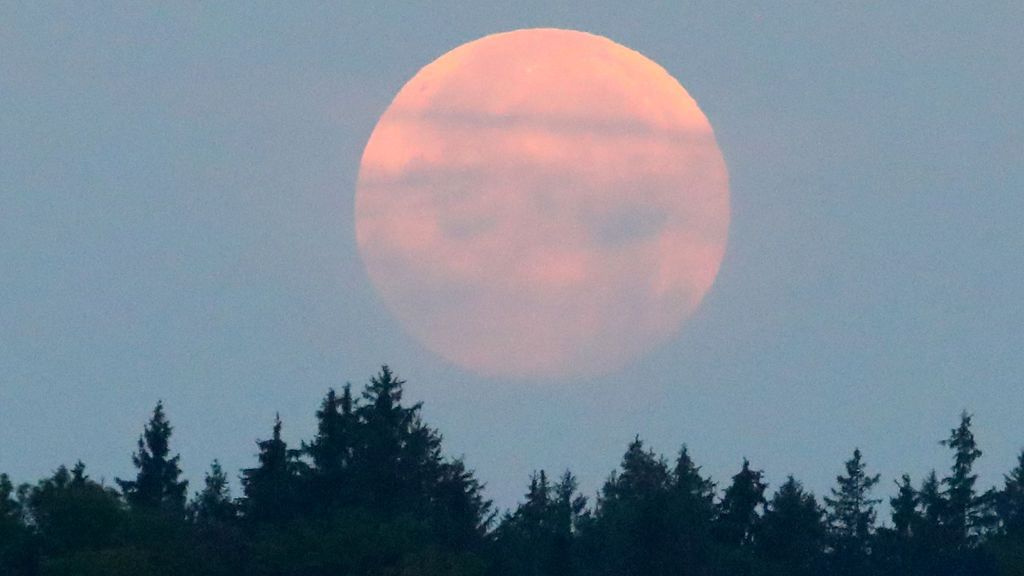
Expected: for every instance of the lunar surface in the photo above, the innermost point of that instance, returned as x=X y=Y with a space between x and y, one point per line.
x=542 y=203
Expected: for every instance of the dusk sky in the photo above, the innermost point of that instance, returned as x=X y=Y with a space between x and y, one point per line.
x=177 y=222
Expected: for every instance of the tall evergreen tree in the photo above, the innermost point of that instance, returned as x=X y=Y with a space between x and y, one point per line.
x=904 y=505
x=213 y=503
x=331 y=450
x=271 y=488
x=896 y=547
x=932 y=500
x=934 y=544
x=569 y=508
x=397 y=458
x=630 y=533
x=851 y=517
x=791 y=533
x=738 y=512
x=71 y=512
x=10 y=508
x=690 y=510
x=157 y=485
x=643 y=475
x=1010 y=500
x=461 y=514
x=524 y=535
x=17 y=546
x=695 y=491
x=537 y=539
x=964 y=510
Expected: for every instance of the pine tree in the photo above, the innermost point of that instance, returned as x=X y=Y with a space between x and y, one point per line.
x=791 y=533
x=964 y=510
x=461 y=514
x=905 y=516
x=896 y=548
x=691 y=509
x=71 y=512
x=10 y=508
x=695 y=491
x=738 y=511
x=18 y=554
x=537 y=538
x=934 y=506
x=397 y=458
x=213 y=503
x=643 y=476
x=156 y=485
x=568 y=507
x=271 y=488
x=331 y=451
x=851 y=517
x=1010 y=500
x=524 y=535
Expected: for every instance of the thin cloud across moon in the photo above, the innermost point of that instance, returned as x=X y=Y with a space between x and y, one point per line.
x=542 y=203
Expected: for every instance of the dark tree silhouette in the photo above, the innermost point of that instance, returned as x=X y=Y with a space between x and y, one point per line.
x=851 y=518
x=18 y=554
x=1010 y=500
x=372 y=494
x=791 y=533
x=905 y=517
x=397 y=456
x=738 y=512
x=72 y=513
x=156 y=485
x=894 y=547
x=213 y=503
x=272 y=488
x=332 y=449
x=537 y=539
x=693 y=490
x=965 y=515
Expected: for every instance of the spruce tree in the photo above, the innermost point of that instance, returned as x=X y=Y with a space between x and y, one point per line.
x=643 y=476
x=1010 y=500
x=271 y=488
x=905 y=517
x=691 y=510
x=213 y=503
x=461 y=515
x=738 y=512
x=331 y=450
x=633 y=521
x=397 y=458
x=851 y=517
x=10 y=508
x=72 y=512
x=156 y=485
x=568 y=507
x=964 y=510
x=694 y=490
x=524 y=536
x=791 y=533
x=896 y=547
x=18 y=553
x=537 y=538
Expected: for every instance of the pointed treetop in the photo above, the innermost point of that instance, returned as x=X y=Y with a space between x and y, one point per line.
x=156 y=485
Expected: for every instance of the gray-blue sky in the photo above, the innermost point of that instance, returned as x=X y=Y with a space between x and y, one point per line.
x=176 y=195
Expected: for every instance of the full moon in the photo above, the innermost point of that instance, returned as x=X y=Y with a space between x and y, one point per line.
x=542 y=203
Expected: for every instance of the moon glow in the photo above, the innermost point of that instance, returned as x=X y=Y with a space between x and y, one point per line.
x=542 y=203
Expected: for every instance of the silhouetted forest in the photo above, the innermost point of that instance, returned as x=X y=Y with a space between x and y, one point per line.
x=373 y=494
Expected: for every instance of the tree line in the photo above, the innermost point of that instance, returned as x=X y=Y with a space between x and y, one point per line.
x=373 y=494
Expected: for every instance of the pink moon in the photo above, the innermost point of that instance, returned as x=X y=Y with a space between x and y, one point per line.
x=542 y=203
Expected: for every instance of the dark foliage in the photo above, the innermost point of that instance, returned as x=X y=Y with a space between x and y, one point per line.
x=373 y=494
